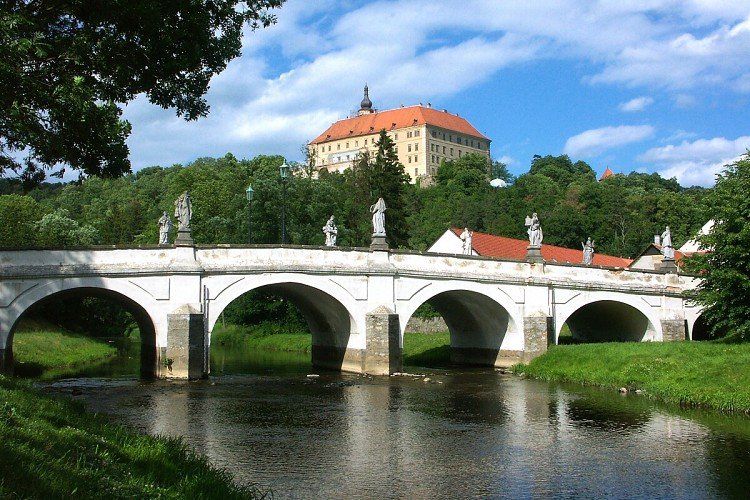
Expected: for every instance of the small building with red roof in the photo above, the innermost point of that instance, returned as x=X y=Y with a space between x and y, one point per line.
x=423 y=136
x=502 y=247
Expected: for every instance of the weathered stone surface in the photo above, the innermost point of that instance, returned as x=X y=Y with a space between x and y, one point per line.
x=186 y=355
x=536 y=333
x=383 y=353
x=673 y=330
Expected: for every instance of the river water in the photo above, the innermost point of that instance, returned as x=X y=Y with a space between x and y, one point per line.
x=455 y=433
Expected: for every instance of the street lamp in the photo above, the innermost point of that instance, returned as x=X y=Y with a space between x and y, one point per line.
x=249 y=193
x=284 y=171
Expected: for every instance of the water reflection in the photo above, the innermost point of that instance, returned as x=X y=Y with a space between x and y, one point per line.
x=465 y=433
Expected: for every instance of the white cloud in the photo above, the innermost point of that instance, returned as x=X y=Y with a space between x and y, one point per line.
x=637 y=104
x=303 y=73
x=596 y=141
x=696 y=162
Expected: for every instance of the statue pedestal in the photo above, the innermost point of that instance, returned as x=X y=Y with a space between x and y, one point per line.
x=667 y=266
x=378 y=242
x=534 y=254
x=183 y=238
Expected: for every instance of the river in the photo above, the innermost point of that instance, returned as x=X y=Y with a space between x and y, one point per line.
x=453 y=433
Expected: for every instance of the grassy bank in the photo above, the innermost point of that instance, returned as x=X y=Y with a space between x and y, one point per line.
x=420 y=349
x=705 y=374
x=52 y=449
x=36 y=352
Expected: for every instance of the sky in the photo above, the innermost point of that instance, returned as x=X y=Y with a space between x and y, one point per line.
x=633 y=85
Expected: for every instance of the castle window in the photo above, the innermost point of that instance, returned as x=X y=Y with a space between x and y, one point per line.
x=395 y=136
x=408 y=148
x=451 y=151
x=356 y=144
x=329 y=147
x=459 y=153
x=434 y=134
x=443 y=149
x=416 y=147
x=416 y=172
x=365 y=142
x=416 y=158
x=338 y=147
x=347 y=145
x=408 y=159
x=416 y=133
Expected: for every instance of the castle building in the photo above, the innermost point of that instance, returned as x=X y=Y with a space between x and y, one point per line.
x=423 y=137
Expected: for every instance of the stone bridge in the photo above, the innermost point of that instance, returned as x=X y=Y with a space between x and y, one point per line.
x=357 y=302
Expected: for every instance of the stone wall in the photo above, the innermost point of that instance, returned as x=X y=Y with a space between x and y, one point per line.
x=426 y=325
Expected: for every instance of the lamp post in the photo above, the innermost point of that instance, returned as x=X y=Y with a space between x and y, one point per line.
x=284 y=170
x=249 y=193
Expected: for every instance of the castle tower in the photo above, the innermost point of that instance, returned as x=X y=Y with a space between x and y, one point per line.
x=365 y=107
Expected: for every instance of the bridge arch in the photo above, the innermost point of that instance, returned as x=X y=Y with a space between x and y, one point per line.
x=329 y=310
x=482 y=320
x=132 y=298
x=622 y=317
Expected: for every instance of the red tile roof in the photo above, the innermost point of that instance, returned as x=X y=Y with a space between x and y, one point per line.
x=489 y=245
x=373 y=123
x=607 y=173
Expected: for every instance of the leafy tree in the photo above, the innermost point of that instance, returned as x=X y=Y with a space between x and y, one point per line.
x=57 y=229
x=500 y=171
x=65 y=67
x=18 y=215
x=724 y=290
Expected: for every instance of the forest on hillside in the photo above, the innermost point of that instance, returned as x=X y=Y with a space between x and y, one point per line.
x=620 y=213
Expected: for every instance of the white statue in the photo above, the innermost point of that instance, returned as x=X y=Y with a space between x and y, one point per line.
x=331 y=231
x=466 y=241
x=666 y=244
x=535 y=231
x=183 y=210
x=378 y=217
x=165 y=226
x=588 y=252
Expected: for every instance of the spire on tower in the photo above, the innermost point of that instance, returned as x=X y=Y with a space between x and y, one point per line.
x=365 y=106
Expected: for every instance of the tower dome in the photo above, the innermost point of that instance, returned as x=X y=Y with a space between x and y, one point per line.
x=366 y=105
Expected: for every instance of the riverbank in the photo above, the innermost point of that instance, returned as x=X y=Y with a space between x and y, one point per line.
x=701 y=374
x=52 y=448
x=52 y=354
x=420 y=349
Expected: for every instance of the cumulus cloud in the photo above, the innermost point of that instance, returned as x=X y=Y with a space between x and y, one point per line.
x=298 y=76
x=696 y=162
x=637 y=104
x=596 y=141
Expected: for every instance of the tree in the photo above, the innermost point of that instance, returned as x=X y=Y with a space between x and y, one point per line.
x=724 y=291
x=390 y=182
x=18 y=215
x=65 y=67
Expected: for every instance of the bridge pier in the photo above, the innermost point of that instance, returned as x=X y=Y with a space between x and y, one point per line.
x=383 y=354
x=537 y=331
x=186 y=352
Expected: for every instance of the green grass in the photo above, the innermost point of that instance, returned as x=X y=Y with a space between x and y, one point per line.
x=703 y=374
x=420 y=349
x=427 y=349
x=55 y=349
x=52 y=449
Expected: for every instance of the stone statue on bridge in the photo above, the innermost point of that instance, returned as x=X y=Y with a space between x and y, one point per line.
x=588 y=252
x=535 y=231
x=466 y=241
x=378 y=217
x=666 y=244
x=165 y=226
x=183 y=210
x=331 y=232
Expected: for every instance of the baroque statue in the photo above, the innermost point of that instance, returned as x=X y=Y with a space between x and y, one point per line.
x=331 y=232
x=534 y=230
x=378 y=217
x=666 y=244
x=183 y=210
x=165 y=226
x=588 y=252
x=466 y=241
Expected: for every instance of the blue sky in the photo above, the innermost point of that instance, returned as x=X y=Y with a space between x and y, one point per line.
x=645 y=85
